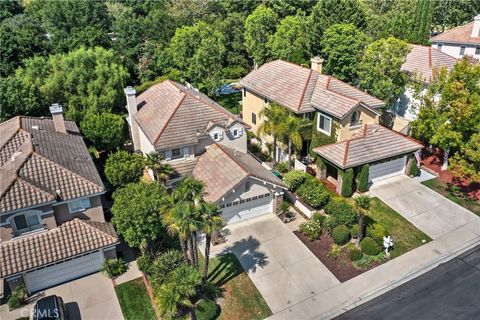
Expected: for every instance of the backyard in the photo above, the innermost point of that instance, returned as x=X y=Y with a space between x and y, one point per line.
x=231 y=102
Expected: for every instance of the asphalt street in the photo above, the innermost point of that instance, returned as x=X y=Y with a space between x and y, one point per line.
x=450 y=291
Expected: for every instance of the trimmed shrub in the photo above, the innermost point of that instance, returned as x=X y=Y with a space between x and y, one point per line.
x=354 y=231
x=17 y=297
x=206 y=310
x=313 y=193
x=413 y=168
x=376 y=231
x=363 y=178
x=294 y=179
x=355 y=254
x=334 y=251
x=341 y=234
x=311 y=229
x=282 y=166
x=347 y=184
x=113 y=267
x=369 y=246
x=320 y=218
x=341 y=212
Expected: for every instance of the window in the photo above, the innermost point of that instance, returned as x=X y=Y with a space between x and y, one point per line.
x=324 y=123
x=462 y=50
x=477 y=50
x=79 y=205
x=26 y=222
x=355 y=120
x=176 y=153
x=254 y=118
x=235 y=132
x=265 y=100
x=439 y=47
x=215 y=136
x=244 y=92
x=247 y=186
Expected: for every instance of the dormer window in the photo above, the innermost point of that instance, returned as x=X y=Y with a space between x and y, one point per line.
x=355 y=119
x=215 y=136
x=176 y=153
x=26 y=222
x=79 y=205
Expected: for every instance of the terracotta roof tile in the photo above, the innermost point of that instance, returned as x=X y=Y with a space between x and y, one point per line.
x=461 y=34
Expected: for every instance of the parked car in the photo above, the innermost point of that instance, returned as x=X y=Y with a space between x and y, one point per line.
x=49 y=308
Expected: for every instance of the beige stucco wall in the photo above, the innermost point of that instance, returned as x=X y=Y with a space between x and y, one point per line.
x=366 y=116
x=95 y=212
x=252 y=103
x=145 y=146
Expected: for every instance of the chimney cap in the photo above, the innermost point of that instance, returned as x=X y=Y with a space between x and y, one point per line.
x=129 y=90
x=56 y=108
x=316 y=59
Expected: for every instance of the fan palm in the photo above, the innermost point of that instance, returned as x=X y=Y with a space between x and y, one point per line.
x=190 y=190
x=212 y=222
x=162 y=171
x=275 y=116
x=362 y=204
x=291 y=130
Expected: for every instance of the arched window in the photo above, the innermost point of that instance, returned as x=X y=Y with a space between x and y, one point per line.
x=355 y=120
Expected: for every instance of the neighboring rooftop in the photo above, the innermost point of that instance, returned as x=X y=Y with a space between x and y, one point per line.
x=466 y=34
x=373 y=143
x=68 y=240
x=171 y=114
x=222 y=169
x=36 y=161
x=302 y=89
x=424 y=61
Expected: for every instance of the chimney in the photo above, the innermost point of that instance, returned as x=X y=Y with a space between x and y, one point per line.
x=317 y=64
x=130 y=93
x=476 y=27
x=57 y=115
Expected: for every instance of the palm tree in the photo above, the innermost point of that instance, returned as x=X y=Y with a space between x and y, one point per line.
x=291 y=129
x=362 y=204
x=212 y=222
x=162 y=171
x=275 y=116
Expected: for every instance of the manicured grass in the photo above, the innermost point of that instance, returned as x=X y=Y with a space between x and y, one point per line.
x=240 y=298
x=454 y=194
x=405 y=235
x=134 y=301
x=231 y=102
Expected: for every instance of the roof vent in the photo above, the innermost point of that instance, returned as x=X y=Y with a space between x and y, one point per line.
x=375 y=130
x=15 y=155
x=35 y=128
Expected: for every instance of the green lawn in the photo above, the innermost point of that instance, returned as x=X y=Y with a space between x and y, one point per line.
x=405 y=235
x=454 y=194
x=231 y=102
x=241 y=299
x=134 y=301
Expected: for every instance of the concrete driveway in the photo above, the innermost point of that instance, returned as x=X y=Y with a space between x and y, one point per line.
x=89 y=298
x=427 y=210
x=281 y=267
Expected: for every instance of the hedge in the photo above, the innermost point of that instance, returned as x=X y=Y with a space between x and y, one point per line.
x=414 y=168
x=369 y=246
x=341 y=213
x=341 y=234
x=294 y=179
x=363 y=178
x=313 y=192
x=355 y=254
x=347 y=183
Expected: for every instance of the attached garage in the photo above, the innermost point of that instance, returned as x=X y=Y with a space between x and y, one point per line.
x=246 y=209
x=387 y=169
x=64 y=271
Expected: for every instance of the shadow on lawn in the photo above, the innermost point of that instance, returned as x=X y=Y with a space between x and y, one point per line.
x=229 y=266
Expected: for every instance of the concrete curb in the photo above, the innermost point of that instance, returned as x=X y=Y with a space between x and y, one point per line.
x=396 y=283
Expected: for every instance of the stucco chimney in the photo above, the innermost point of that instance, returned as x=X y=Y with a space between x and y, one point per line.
x=57 y=115
x=317 y=64
x=476 y=26
x=130 y=93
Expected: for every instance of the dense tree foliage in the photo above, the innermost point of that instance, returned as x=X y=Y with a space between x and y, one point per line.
x=290 y=40
x=105 y=131
x=343 y=47
x=451 y=13
x=122 y=168
x=422 y=22
x=259 y=26
x=379 y=71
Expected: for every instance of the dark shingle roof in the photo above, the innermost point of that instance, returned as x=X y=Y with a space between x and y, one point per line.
x=302 y=89
x=36 y=162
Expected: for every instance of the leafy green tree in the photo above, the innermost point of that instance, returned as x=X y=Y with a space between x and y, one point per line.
x=289 y=42
x=10 y=8
x=135 y=210
x=105 y=131
x=259 y=26
x=72 y=24
x=451 y=13
x=21 y=37
x=122 y=168
x=161 y=170
x=343 y=46
x=466 y=163
x=329 y=12
x=379 y=71
x=422 y=22
x=284 y=8
x=275 y=116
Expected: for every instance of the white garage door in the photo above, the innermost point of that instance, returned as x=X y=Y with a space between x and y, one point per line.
x=64 y=271
x=247 y=210
x=387 y=169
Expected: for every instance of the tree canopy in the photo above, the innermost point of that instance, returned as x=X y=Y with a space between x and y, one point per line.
x=106 y=130
x=122 y=168
x=259 y=26
x=289 y=42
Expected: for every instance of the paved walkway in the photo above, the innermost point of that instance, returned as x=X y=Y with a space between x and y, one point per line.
x=132 y=273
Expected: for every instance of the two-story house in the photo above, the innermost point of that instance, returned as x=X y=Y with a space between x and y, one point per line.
x=341 y=111
x=460 y=41
x=198 y=137
x=52 y=226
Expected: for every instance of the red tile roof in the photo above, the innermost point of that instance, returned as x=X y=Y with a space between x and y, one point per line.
x=461 y=34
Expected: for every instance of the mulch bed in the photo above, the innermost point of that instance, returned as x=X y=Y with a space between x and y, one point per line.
x=341 y=267
x=434 y=162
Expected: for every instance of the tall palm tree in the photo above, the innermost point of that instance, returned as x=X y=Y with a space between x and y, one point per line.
x=362 y=204
x=291 y=129
x=162 y=171
x=212 y=222
x=275 y=116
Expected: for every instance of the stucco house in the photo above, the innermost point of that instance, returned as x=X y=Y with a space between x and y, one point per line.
x=348 y=113
x=52 y=225
x=198 y=137
x=460 y=41
x=421 y=63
